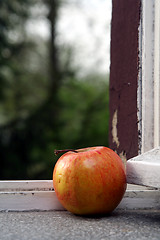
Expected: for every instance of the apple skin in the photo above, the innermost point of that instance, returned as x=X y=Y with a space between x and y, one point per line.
x=90 y=180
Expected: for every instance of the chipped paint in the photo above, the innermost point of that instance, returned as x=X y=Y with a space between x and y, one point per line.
x=124 y=74
x=114 y=129
x=123 y=157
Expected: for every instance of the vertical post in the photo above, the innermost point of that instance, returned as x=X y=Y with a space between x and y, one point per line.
x=148 y=83
x=135 y=77
x=145 y=81
x=157 y=75
x=124 y=74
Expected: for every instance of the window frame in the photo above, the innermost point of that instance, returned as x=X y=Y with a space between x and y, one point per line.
x=148 y=93
x=40 y=196
x=135 y=77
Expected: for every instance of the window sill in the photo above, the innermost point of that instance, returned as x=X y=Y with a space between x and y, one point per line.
x=40 y=196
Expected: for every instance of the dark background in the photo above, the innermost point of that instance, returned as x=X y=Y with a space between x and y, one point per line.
x=44 y=103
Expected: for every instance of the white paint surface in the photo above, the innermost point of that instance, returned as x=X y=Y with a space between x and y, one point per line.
x=146 y=84
x=47 y=200
x=145 y=169
x=29 y=201
x=149 y=76
x=157 y=75
x=31 y=185
x=136 y=197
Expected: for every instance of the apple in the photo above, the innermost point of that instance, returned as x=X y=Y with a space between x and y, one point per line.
x=90 y=180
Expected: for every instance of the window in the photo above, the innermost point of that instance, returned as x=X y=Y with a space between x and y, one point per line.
x=133 y=36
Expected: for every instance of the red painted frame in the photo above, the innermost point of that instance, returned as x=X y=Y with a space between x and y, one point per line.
x=124 y=76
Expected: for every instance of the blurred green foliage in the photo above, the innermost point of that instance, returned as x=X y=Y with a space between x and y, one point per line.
x=37 y=115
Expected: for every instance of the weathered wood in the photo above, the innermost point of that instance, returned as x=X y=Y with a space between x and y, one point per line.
x=31 y=185
x=29 y=201
x=47 y=200
x=134 y=77
x=145 y=169
x=42 y=199
x=148 y=82
x=124 y=73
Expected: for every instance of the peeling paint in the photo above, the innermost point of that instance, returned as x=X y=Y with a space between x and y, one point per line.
x=114 y=129
x=123 y=157
x=124 y=74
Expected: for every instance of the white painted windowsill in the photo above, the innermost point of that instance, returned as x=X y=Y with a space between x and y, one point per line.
x=40 y=196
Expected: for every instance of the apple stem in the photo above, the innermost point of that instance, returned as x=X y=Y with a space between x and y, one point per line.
x=56 y=152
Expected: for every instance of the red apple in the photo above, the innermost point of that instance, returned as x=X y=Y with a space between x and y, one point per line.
x=89 y=180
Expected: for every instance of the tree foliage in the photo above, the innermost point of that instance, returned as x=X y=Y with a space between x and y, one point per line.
x=45 y=107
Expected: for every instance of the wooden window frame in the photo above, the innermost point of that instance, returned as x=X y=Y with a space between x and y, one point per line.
x=149 y=76
x=40 y=196
x=135 y=77
x=134 y=71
